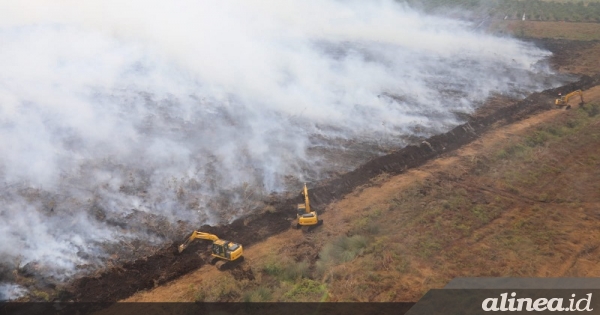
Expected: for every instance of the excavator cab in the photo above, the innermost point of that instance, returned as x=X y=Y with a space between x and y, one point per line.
x=226 y=250
x=303 y=213
x=308 y=219
x=301 y=209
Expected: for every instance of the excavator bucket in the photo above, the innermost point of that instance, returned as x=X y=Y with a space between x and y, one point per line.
x=183 y=246
x=196 y=235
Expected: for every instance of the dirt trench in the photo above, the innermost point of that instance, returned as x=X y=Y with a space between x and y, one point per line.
x=120 y=282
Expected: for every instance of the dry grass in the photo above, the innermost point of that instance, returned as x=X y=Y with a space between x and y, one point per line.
x=490 y=219
x=548 y=29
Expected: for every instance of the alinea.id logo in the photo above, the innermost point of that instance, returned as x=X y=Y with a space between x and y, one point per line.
x=542 y=304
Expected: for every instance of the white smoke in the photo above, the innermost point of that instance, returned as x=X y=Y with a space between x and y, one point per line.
x=188 y=110
x=9 y=291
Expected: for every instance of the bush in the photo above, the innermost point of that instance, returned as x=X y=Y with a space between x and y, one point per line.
x=343 y=249
x=509 y=151
x=592 y=109
x=260 y=294
x=307 y=290
x=272 y=268
x=558 y=131
x=366 y=224
x=287 y=269
x=537 y=139
x=296 y=270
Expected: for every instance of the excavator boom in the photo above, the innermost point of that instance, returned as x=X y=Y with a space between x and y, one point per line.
x=197 y=235
x=564 y=100
x=306 y=200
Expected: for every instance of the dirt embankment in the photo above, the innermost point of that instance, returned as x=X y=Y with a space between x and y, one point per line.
x=165 y=265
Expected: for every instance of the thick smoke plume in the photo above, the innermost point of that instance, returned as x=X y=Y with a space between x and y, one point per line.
x=113 y=112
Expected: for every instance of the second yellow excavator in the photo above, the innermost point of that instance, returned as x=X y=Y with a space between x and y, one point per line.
x=564 y=100
x=306 y=217
x=224 y=253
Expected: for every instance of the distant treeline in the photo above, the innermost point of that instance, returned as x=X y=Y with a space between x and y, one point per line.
x=572 y=11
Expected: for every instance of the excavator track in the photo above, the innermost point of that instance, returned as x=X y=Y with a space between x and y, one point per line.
x=223 y=265
x=310 y=228
x=213 y=260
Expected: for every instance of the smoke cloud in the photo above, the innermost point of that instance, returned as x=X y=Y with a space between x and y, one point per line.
x=10 y=291
x=118 y=118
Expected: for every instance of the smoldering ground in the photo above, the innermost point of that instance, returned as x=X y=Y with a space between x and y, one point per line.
x=118 y=119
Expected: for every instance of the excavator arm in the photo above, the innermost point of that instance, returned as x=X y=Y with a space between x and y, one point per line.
x=304 y=208
x=578 y=92
x=197 y=235
x=564 y=100
x=306 y=200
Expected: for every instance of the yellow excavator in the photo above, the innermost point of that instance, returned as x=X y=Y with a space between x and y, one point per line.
x=224 y=253
x=306 y=217
x=564 y=100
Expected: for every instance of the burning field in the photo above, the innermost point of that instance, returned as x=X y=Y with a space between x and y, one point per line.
x=124 y=126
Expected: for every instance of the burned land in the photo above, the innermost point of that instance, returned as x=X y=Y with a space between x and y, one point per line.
x=164 y=265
